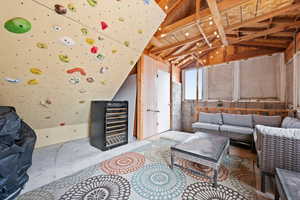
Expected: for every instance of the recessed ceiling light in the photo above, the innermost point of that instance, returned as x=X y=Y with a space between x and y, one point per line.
x=204 y=60
x=215 y=33
x=198 y=44
x=166 y=7
x=187 y=34
x=159 y=28
x=200 y=51
x=210 y=18
x=218 y=36
x=163 y=35
x=210 y=23
x=209 y=44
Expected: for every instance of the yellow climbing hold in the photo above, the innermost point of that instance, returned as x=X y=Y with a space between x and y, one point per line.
x=72 y=7
x=90 y=41
x=42 y=45
x=103 y=82
x=121 y=19
x=92 y=3
x=114 y=51
x=140 y=31
x=64 y=58
x=33 y=82
x=84 y=31
x=131 y=62
x=36 y=71
x=126 y=43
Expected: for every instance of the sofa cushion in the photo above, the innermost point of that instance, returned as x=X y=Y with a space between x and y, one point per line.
x=290 y=122
x=213 y=118
x=237 y=120
x=236 y=129
x=274 y=121
x=206 y=126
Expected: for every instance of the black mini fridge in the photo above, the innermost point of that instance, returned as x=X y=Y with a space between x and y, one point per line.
x=109 y=124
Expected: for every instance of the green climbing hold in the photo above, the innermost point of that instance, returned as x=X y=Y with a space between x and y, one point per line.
x=17 y=25
x=92 y=3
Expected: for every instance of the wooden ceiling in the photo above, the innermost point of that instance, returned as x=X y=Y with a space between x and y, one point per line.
x=193 y=28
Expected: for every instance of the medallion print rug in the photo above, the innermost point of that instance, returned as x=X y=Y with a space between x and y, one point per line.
x=145 y=174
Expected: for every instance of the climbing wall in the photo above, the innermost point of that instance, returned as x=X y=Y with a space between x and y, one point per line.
x=58 y=55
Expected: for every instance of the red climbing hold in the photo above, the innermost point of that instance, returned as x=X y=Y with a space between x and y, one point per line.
x=77 y=69
x=94 y=49
x=104 y=25
x=62 y=124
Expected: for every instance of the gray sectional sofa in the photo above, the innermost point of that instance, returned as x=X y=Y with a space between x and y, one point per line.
x=235 y=126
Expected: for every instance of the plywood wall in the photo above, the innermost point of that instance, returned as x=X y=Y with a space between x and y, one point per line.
x=104 y=40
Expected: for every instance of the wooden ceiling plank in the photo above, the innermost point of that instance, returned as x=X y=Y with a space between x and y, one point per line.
x=212 y=4
x=198 y=4
x=174 y=6
x=263 y=44
x=245 y=38
x=223 y=5
x=280 y=11
x=163 y=4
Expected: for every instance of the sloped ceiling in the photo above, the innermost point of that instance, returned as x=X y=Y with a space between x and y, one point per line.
x=102 y=40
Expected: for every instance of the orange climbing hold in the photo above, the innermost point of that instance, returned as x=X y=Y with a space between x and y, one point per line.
x=77 y=69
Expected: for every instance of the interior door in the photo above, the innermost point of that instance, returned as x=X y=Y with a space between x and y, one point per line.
x=149 y=99
x=163 y=101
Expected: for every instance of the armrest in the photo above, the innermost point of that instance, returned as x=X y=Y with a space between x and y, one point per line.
x=278 y=147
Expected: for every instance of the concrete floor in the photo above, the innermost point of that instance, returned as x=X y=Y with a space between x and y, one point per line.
x=60 y=160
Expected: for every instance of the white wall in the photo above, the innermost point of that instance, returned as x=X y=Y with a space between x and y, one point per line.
x=128 y=93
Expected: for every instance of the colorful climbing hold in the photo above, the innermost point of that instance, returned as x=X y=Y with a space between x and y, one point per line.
x=74 y=80
x=92 y=3
x=33 y=82
x=62 y=124
x=131 y=62
x=59 y=9
x=126 y=43
x=84 y=31
x=100 y=38
x=90 y=41
x=103 y=69
x=82 y=91
x=114 y=51
x=67 y=41
x=57 y=28
x=100 y=57
x=12 y=80
x=18 y=25
x=94 y=49
x=48 y=117
x=90 y=79
x=104 y=25
x=121 y=19
x=42 y=45
x=82 y=101
x=140 y=31
x=72 y=7
x=147 y=2
x=64 y=58
x=103 y=82
x=77 y=69
x=36 y=71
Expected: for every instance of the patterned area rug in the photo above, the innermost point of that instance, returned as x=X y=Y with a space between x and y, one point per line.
x=145 y=174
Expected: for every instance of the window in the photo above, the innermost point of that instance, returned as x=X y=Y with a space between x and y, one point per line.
x=191 y=84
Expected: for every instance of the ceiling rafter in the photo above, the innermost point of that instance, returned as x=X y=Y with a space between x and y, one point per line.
x=217 y=19
x=244 y=38
x=198 y=5
x=191 y=19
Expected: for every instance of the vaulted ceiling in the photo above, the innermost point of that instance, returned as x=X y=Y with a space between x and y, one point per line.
x=193 y=28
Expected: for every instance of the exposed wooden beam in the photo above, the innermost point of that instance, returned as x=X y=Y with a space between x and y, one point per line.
x=212 y=4
x=263 y=44
x=223 y=5
x=163 y=4
x=174 y=6
x=177 y=44
x=275 y=29
x=280 y=11
x=252 y=53
x=198 y=5
x=244 y=38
